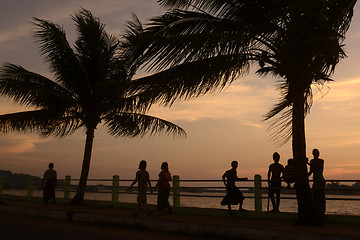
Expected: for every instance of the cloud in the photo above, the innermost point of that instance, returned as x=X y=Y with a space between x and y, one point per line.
x=243 y=103
x=14 y=143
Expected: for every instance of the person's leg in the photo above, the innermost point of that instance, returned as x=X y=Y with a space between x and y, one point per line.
x=240 y=205
x=167 y=201
x=229 y=209
x=137 y=208
x=277 y=199
x=271 y=196
x=147 y=209
x=53 y=196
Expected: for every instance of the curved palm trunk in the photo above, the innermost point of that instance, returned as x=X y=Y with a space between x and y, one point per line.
x=307 y=213
x=79 y=197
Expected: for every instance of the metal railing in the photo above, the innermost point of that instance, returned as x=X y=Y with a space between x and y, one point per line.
x=186 y=188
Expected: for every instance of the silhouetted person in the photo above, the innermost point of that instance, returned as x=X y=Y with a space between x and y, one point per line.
x=289 y=173
x=163 y=185
x=49 y=183
x=274 y=181
x=143 y=180
x=233 y=194
x=317 y=169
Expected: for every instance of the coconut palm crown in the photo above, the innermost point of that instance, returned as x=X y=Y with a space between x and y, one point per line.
x=91 y=87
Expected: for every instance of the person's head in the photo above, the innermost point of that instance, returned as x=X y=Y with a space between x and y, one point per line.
x=290 y=161
x=142 y=165
x=316 y=153
x=165 y=166
x=234 y=164
x=51 y=165
x=276 y=157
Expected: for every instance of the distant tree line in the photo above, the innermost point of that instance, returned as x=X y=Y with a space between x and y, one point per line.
x=21 y=180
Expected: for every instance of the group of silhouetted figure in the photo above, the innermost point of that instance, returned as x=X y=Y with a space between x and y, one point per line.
x=49 y=183
x=163 y=185
x=276 y=174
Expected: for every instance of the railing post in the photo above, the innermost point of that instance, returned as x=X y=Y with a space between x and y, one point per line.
x=30 y=191
x=1 y=185
x=258 y=193
x=176 y=191
x=115 y=189
x=67 y=187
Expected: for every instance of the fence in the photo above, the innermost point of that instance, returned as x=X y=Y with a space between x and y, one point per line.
x=114 y=187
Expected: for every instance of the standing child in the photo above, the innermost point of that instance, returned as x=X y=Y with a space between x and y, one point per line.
x=233 y=194
x=274 y=181
x=50 y=180
x=163 y=185
x=143 y=179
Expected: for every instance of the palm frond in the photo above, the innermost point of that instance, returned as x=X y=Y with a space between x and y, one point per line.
x=31 y=89
x=138 y=125
x=280 y=124
x=181 y=37
x=43 y=121
x=63 y=61
x=94 y=46
x=183 y=82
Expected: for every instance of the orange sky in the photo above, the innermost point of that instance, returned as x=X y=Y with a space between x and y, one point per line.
x=221 y=128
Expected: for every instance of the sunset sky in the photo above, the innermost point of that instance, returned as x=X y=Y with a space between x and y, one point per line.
x=221 y=128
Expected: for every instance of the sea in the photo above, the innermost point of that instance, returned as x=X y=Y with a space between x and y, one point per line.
x=213 y=199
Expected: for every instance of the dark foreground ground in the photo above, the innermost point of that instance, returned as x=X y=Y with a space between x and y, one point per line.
x=21 y=219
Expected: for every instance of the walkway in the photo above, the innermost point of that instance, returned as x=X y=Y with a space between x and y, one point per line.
x=193 y=221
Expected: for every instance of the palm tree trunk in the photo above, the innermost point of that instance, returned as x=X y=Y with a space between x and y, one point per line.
x=79 y=197
x=307 y=214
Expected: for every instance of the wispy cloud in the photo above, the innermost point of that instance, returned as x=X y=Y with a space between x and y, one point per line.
x=14 y=143
x=240 y=102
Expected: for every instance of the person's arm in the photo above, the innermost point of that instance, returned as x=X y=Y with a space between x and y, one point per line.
x=43 y=180
x=150 y=184
x=55 y=179
x=157 y=183
x=269 y=175
x=134 y=182
x=224 y=180
x=311 y=169
x=310 y=172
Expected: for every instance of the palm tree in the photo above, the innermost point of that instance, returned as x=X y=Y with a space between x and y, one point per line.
x=297 y=41
x=304 y=51
x=91 y=87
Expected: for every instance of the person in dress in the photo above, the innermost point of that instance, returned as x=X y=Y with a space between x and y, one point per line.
x=49 y=183
x=163 y=185
x=233 y=194
x=317 y=169
x=274 y=181
x=143 y=180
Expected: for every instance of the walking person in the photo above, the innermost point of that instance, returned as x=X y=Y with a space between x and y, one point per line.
x=274 y=181
x=143 y=180
x=163 y=185
x=49 y=183
x=317 y=169
x=233 y=194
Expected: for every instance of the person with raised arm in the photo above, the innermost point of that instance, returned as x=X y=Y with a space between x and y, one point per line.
x=233 y=195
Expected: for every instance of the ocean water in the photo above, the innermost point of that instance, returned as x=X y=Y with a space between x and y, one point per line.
x=338 y=207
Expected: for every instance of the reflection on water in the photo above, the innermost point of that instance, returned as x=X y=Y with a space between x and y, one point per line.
x=286 y=205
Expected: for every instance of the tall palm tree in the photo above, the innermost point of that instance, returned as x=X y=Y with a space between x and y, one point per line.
x=203 y=45
x=91 y=87
x=305 y=50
